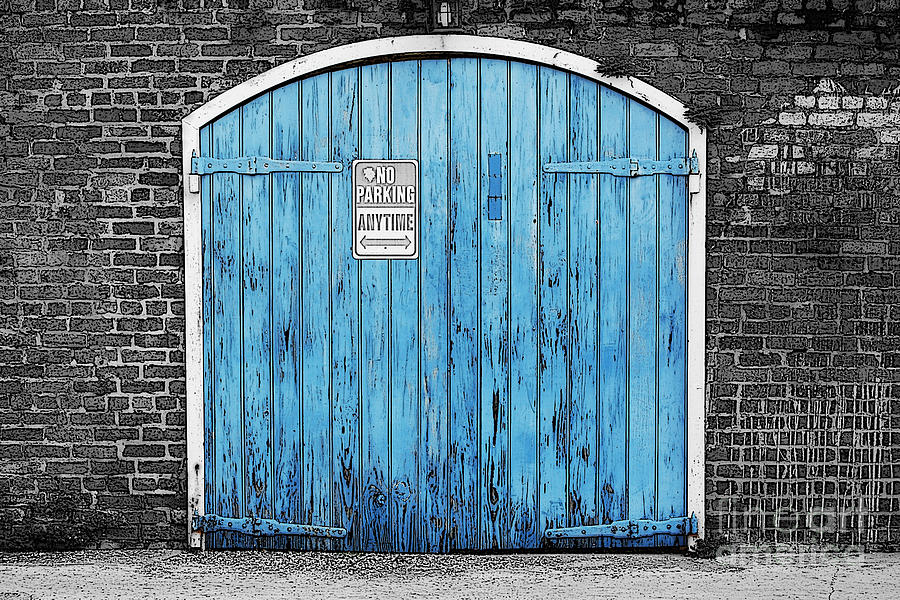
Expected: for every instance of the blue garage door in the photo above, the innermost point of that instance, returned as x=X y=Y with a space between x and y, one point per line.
x=518 y=384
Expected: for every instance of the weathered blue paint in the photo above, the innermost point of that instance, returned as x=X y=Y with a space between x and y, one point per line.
x=522 y=217
x=345 y=313
x=225 y=394
x=584 y=295
x=525 y=375
x=612 y=415
x=433 y=280
x=672 y=235
x=375 y=338
x=406 y=523
x=255 y=337
x=285 y=355
x=210 y=492
x=464 y=435
x=494 y=302
x=643 y=297
x=553 y=303
x=315 y=289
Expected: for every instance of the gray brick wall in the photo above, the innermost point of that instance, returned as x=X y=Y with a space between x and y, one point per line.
x=801 y=98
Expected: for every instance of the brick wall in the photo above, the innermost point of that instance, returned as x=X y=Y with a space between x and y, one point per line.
x=804 y=242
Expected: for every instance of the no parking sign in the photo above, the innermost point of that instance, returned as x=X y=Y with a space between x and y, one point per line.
x=386 y=209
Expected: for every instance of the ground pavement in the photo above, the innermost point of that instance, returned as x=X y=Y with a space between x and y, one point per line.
x=165 y=574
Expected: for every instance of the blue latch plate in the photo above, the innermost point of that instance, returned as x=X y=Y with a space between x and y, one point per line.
x=495 y=187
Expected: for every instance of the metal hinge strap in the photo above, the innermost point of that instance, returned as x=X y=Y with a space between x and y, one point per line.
x=255 y=526
x=260 y=165
x=630 y=529
x=629 y=167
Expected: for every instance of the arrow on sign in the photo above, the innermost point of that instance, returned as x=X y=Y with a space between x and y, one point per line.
x=366 y=242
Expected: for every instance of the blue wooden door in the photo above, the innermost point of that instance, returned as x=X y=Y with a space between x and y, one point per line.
x=526 y=372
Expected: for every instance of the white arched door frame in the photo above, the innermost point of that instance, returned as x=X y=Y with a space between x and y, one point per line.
x=443 y=45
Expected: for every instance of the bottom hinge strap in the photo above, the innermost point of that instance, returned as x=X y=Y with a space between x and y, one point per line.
x=633 y=528
x=255 y=526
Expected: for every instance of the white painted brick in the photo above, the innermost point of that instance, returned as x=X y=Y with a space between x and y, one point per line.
x=756 y=182
x=805 y=101
x=805 y=168
x=889 y=136
x=763 y=151
x=836 y=119
x=872 y=119
x=851 y=102
x=829 y=102
x=792 y=118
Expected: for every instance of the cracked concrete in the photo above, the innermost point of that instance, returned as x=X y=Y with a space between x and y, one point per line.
x=160 y=574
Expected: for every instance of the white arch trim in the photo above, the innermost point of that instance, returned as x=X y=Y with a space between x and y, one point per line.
x=444 y=45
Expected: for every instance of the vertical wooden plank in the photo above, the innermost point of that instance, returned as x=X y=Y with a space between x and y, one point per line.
x=553 y=319
x=584 y=283
x=227 y=258
x=406 y=526
x=494 y=274
x=523 y=277
x=255 y=307
x=672 y=466
x=642 y=344
x=433 y=274
x=613 y=314
x=315 y=306
x=464 y=306
x=209 y=358
x=286 y=308
x=345 y=308
x=374 y=322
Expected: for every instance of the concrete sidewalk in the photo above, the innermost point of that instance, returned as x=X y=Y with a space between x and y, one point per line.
x=101 y=575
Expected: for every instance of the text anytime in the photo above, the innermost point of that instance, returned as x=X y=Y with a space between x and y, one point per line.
x=385 y=222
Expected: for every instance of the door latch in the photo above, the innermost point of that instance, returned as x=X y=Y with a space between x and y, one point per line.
x=495 y=187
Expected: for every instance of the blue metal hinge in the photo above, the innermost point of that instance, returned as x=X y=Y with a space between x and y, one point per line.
x=260 y=165
x=255 y=526
x=629 y=167
x=630 y=529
